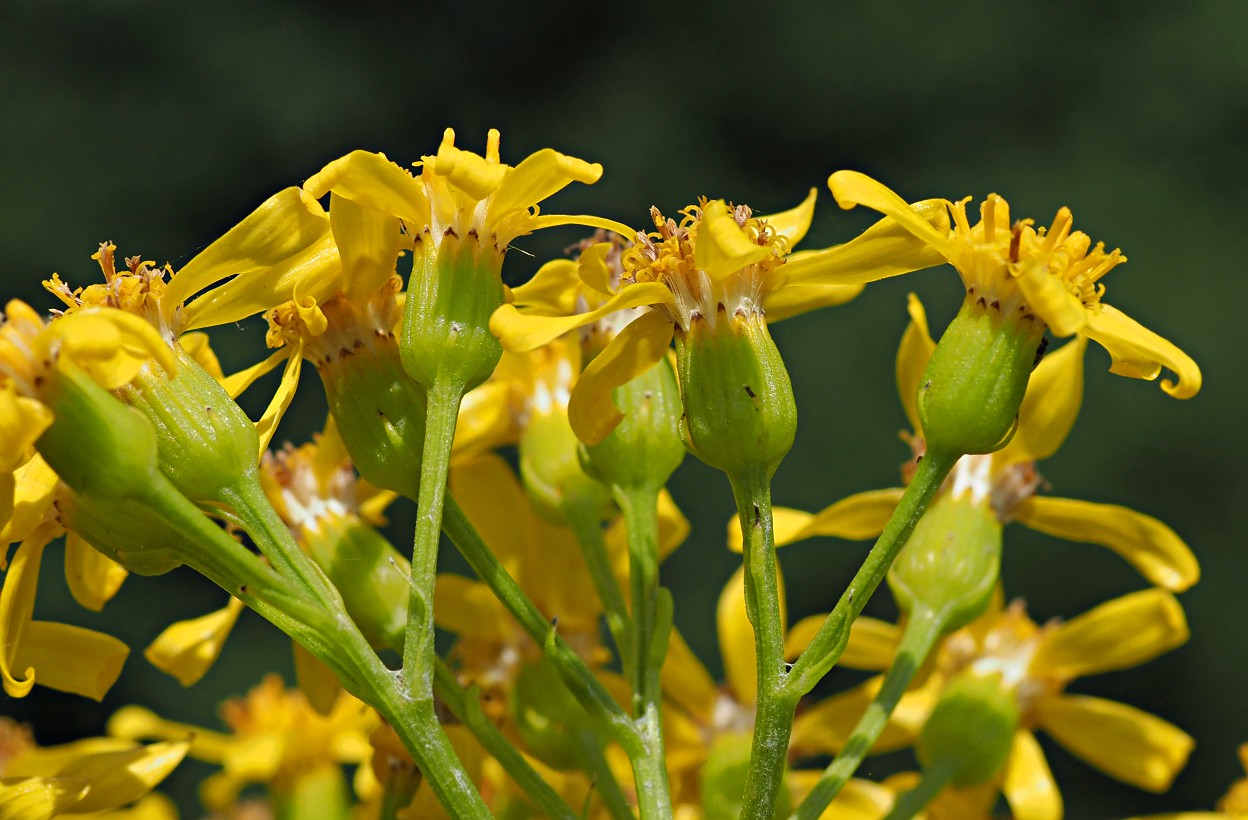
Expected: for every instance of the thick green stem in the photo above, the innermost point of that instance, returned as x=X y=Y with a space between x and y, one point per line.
x=828 y=645
x=585 y=522
x=935 y=778
x=773 y=720
x=450 y=782
x=922 y=631
x=586 y=688
x=467 y=708
x=648 y=646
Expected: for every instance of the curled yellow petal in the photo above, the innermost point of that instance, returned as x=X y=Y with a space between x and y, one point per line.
x=1140 y=353
x=374 y=182
x=855 y=518
x=72 y=659
x=187 y=649
x=1029 y=786
x=521 y=332
x=537 y=177
x=1050 y=406
x=17 y=605
x=553 y=289
x=722 y=247
x=535 y=223
x=122 y=777
x=111 y=345
x=795 y=222
x=1120 y=740
x=852 y=188
x=92 y=576
x=591 y=266
x=267 y=425
x=638 y=347
x=912 y=357
x=22 y=421
x=1047 y=295
x=368 y=244
x=1124 y=632
x=472 y=173
x=1150 y=546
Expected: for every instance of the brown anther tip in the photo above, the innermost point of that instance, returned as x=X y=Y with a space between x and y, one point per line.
x=1016 y=237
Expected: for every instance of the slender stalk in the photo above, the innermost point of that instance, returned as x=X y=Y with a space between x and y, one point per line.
x=922 y=631
x=467 y=708
x=647 y=647
x=586 y=688
x=773 y=720
x=586 y=525
x=605 y=784
x=910 y=803
x=828 y=645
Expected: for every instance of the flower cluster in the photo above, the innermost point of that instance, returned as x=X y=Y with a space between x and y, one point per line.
x=537 y=427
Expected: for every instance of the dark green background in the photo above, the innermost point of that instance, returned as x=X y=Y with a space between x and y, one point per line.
x=158 y=125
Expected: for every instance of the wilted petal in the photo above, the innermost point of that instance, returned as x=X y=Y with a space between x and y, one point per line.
x=187 y=649
x=1140 y=353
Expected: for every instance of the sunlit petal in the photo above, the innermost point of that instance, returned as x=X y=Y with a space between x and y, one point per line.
x=912 y=357
x=278 y=405
x=637 y=348
x=722 y=247
x=1122 y=633
x=522 y=332
x=374 y=182
x=538 y=176
x=368 y=243
x=1050 y=406
x=187 y=649
x=794 y=300
x=1140 y=353
x=72 y=659
x=92 y=576
x=118 y=778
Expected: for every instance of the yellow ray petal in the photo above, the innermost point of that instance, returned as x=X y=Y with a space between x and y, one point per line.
x=278 y=405
x=858 y=800
x=38 y=798
x=475 y=175
x=236 y=383
x=884 y=250
x=1029 y=785
x=722 y=248
x=872 y=642
x=536 y=223
x=1047 y=295
x=118 y=778
x=468 y=608
x=22 y=421
x=187 y=649
x=538 y=176
x=154 y=806
x=318 y=683
x=72 y=659
x=852 y=189
x=591 y=267
x=17 y=604
x=198 y=346
x=786 y=524
x=374 y=182
x=93 y=577
x=522 y=332
x=1124 y=632
x=824 y=728
x=1150 y=546
x=855 y=518
x=912 y=357
x=137 y=723
x=795 y=222
x=1120 y=740
x=673 y=526
x=637 y=348
x=793 y=300
x=485 y=419
x=736 y=637
x=34 y=492
x=368 y=244
x=1140 y=353
x=552 y=290
x=493 y=500
x=1050 y=406
x=686 y=681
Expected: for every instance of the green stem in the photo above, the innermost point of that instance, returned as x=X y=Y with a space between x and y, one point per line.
x=828 y=645
x=648 y=646
x=586 y=688
x=467 y=708
x=605 y=784
x=935 y=778
x=922 y=631
x=587 y=526
x=773 y=720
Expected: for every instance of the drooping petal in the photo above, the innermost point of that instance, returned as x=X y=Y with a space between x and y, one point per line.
x=1124 y=632
x=685 y=680
x=536 y=223
x=852 y=188
x=522 y=332
x=793 y=300
x=591 y=266
x=1029 y=786
x=1140 y=353
x=1047 y=295
x=34 y=492
x=912 y=357
x=236 y=383
x=278 y=405
x=38 y=798
x=92 y=576
x=119 y=778
x=553 y=289
x=17 y=605
x=468 y=608
x=1150 y=546
x=1120 y=740
x=198 y=346
x=722 y=247
x=368 y=244
x=736 y=636
x=22 y=421
x=855 y=518
x=872 y=642
x=374 y=182
x=1050 y=406
x=637 y=348
x=187 y=649
x=137 y=723
x=72 y=659
x=795 y=222
x=538 y=176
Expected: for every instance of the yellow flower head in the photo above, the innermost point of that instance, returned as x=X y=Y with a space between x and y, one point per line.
x=1022 y=273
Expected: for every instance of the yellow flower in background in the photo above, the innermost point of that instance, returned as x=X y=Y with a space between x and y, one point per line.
x=1035 y=664
x=1234 y=804
x=1005 y=482
x=1019 y=271
x=97 y=777
x=719 y=260
x=275 y=738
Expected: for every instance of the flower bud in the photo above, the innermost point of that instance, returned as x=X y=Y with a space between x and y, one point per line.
x=368 y=571
x=645 y=448
x=974 y=383
x=971 y=727
x=739 y=410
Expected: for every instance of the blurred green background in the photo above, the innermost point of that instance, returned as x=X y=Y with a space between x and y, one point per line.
x=158 y=125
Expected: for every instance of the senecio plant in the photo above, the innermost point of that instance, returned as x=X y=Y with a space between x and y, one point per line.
x=566 y=692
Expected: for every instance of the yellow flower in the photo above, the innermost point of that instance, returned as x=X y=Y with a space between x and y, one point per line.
x=1035 y=664
x=96 y=776
x=1021 y=271
x=1234 y=804
x=275 y=738
x=1004 y=483
x=720 y=260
